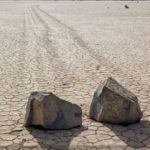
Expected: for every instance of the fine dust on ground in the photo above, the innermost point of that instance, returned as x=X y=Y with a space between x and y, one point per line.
x=69 y=48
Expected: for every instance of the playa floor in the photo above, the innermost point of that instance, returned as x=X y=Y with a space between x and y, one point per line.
x=69 y=48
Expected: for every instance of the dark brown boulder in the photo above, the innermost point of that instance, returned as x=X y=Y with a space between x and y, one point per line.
x=47 y=110
x=113 y=103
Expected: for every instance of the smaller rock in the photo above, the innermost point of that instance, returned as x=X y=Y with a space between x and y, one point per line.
x=97 y=67
x=113 y=103
x=47 y=110
x=126 y=6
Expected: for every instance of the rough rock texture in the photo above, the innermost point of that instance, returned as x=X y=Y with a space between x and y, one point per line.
x=51 y=112
x=114 y=104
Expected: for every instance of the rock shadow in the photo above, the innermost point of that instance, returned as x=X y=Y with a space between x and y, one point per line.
x=55 y=139
x=136 y=135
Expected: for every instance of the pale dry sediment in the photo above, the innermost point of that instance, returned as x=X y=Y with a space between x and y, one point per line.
x=69 y=48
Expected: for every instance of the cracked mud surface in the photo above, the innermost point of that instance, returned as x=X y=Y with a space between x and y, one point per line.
x=69 y=48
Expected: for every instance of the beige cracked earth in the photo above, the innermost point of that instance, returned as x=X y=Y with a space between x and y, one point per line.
x=69 y=48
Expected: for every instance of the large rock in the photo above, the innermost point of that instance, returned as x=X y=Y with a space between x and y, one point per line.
x=113 y=103
x=47 y=110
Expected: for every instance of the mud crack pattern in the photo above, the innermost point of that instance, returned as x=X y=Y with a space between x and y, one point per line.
x=38 y=51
